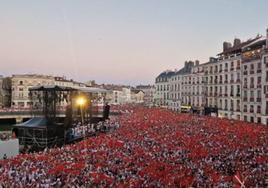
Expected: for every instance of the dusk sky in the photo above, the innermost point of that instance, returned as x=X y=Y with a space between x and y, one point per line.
x=120 y=41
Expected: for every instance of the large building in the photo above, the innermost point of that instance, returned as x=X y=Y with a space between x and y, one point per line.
x=161 y=97
x=20 y=88
x=149 y=91
x=235 y=83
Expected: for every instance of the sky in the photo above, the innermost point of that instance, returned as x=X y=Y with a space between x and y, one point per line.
x=120 y=41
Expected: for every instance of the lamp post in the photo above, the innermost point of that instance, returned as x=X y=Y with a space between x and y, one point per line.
x=81 y=103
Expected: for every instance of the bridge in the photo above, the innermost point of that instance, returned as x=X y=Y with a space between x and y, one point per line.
x=21 y=115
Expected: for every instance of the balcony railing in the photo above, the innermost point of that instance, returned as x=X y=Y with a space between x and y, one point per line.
x=258 y=99
x=251 y=99
x=226 y=70
x=226 y=81
x=259 y=71
x=251 y=110
x=245 y=86
x=238 y=109
x=232 y=68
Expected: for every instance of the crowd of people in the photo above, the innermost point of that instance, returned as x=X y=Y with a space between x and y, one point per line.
x=88 y=129
x=151 y=148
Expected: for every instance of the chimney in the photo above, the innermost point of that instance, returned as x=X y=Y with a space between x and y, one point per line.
x=226 y=45
x=185 y=63
x=196 y=62
x=267 y=37
x=237 y=42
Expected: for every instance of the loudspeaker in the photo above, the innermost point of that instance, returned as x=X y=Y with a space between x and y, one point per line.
x=106 y=111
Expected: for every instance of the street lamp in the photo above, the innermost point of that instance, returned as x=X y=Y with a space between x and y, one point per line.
x=81 y=101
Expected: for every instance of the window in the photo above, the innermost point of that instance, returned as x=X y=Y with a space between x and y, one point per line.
x=21 y=82
x=265 y=59
x=259 y=65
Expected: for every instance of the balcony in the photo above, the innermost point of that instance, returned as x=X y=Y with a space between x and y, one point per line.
x=259 y=71
x=238 y=81
x=245 y=86
x=238 y=109
x=225 y=70
x=226 y=81
x=245 y=72
x=215 y=81
x=220 y=82
x=251 y=110
x=251 y=99
x=226 y=95
x=251 y=71
x=238 y=94
x=231 y=94
x=232 y=68
x=258 y=99
x=220 y=95
x=220 y=70
x=238 y=68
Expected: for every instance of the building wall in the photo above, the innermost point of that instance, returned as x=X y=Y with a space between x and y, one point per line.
x=236 y=83
x=20 y=85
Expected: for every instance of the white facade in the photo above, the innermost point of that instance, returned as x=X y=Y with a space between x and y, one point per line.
x=149 y=92
x=162 y=88
x=235 y=83
x=20 y=88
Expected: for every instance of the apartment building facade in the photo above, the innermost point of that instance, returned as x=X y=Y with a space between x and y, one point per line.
x=235 y=83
